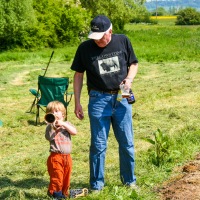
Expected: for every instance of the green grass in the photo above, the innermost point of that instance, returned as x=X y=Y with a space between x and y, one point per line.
x=158 y=43
x=167 y=91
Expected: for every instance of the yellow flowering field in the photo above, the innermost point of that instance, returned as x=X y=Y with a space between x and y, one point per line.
x=165 y=20
x=163 y=17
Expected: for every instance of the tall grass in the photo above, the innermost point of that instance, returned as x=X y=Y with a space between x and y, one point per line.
x=152 y=43
x=167 y=92
x=160 y=43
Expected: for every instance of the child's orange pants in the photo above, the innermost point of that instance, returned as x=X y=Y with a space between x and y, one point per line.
x=59 y=168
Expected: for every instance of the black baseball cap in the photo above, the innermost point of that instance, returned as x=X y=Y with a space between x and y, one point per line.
x=99 y=25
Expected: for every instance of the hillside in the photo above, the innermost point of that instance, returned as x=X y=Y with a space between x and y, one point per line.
x=172 y=4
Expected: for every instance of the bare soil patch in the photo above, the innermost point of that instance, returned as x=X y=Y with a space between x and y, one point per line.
x=19 y=78
x=186 y=186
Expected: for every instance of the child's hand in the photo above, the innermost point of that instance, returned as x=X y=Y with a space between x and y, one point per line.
x=59 y=123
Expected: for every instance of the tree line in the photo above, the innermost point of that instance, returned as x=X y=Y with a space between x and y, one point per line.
x=33 y=24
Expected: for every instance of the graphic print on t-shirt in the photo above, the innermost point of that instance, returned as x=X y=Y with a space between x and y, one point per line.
x=109 y=65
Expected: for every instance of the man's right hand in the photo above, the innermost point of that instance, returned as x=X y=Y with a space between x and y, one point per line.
x=79 y=112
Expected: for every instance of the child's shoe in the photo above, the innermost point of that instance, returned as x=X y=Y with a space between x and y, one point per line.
x=56 y=195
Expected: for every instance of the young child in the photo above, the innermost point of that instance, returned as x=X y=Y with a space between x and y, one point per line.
x=59 y=162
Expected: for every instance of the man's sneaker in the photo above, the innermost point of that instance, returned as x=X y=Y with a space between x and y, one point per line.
x=134 y=187
x=95 y=191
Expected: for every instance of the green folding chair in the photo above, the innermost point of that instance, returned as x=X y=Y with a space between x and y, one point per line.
x=50 y=89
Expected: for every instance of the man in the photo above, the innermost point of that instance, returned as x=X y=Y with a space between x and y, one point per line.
x=108 y=60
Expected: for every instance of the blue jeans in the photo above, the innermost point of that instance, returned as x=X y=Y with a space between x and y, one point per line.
x=104 y=109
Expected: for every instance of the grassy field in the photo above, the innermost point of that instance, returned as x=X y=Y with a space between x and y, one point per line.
x=167 y=91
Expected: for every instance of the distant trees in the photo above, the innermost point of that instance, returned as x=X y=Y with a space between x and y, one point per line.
x=188 y=16
x=16 y=20
x=172 y=4
x=36 y=24
x=60 y=22
x=160 y=11
x=119 y=11
x=41 y=23
x=142 y=17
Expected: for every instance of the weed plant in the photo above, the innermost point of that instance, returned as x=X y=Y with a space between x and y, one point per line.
x=167 y=92
x=161 y=144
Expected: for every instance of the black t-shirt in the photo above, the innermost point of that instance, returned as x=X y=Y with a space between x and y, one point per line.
x=105 y=67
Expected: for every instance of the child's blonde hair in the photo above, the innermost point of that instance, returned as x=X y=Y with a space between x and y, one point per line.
x=56 y=105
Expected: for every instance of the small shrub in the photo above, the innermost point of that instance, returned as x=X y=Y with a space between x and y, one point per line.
x=188 y=16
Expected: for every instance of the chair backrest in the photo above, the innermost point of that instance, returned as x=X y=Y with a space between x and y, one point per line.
x=51 y=89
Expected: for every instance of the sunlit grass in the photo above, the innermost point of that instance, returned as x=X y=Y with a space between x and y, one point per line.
x=167 y=93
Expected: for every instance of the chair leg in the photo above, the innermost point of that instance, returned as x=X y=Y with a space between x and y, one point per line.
x=33 y=104
x=37 y=115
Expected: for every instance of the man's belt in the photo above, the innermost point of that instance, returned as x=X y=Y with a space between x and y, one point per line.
x=108 y=91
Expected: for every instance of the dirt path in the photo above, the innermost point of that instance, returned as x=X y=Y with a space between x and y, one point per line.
x=19 y=78
x=185 y=187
